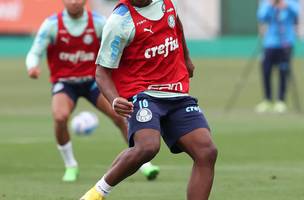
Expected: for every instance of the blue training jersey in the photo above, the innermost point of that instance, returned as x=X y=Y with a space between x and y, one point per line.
x=280 y=23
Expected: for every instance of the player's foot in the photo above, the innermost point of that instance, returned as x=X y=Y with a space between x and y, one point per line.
x=264 y=106
x=280 y=107
x=71 y=174
x=92 y=194
x=150 y=172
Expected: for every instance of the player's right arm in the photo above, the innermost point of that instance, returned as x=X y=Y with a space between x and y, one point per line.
x=104 y=81
x=265 y=11
x=45 y=35
x=115 y=37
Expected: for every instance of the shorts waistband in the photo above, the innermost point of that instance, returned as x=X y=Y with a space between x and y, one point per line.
x=76 y=80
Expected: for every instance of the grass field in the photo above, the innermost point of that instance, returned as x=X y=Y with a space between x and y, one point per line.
x=261 y=157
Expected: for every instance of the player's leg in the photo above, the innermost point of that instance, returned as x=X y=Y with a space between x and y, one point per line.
x=284 y=72
x=283 y=79
x=149 y=170
x=280 y=105
x=62 y=106
x=146 y=146
x=144 y=139
x=186 y=130
x=266 y=68
x=199 y=146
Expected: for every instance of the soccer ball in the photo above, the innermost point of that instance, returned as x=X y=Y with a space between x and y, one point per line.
x=84 y=123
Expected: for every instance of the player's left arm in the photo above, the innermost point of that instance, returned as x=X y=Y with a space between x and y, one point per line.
x=188 y=60
x=293 y=7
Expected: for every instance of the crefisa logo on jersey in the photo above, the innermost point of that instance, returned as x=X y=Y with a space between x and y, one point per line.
x=144 y=115
x=171 y=21
x=88 y=39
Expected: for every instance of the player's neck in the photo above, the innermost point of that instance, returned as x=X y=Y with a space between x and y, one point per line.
x=141 y=3
x=76 y=15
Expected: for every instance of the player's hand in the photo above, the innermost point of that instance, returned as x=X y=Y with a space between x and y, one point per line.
x=34 y=72
x=190 y=67
x=122 y=107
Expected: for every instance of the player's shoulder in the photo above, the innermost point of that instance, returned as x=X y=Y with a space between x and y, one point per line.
x=121 y=10
x=50 y=22
x=120 y=16
x=293 y=3
x=120 y=22
x=53 y=17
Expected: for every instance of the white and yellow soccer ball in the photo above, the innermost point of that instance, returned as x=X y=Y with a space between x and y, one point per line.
x=84 y=123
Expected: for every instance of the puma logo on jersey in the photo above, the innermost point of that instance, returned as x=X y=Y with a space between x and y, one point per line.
x=79 y=56
x=65 y=40
x=148 y=30
x=169 y=45
x=170 y=10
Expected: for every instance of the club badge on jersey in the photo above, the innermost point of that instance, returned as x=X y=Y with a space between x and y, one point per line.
x=88 y=39
x=171 y=21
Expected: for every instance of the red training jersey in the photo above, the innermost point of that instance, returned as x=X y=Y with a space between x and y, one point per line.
x=72 y=56
x=154 y=60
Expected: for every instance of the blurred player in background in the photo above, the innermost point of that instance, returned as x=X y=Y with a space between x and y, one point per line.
x=144 y=69
x=279 y=18
x=72 y=39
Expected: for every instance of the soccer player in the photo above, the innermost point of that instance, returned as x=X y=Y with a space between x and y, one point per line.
x=144 y=69
x=72 y=39
x=280 y=18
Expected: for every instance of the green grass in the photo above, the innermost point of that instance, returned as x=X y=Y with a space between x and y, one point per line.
x=260 y=156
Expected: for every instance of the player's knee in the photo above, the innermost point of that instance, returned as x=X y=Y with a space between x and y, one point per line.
x=61 y=117
x=148 y=151
x=207 y=154
x=212 y=153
